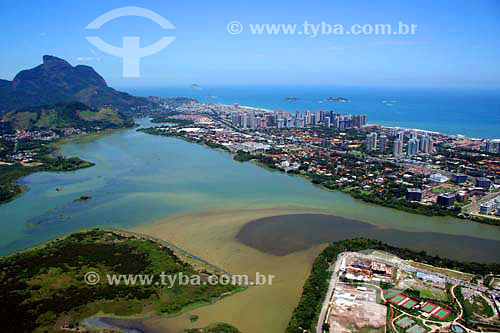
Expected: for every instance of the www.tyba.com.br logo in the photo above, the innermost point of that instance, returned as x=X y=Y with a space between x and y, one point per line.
x=131 y=52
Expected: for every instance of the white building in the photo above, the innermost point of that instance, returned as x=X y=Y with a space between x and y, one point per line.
x=438 y=178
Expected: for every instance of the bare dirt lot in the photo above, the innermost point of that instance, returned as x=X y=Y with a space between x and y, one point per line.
x=348 y=316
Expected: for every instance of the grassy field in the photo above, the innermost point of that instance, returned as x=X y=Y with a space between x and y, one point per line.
x=104 y=114
x=444 y=271
x=440 y=190
x=434 y=294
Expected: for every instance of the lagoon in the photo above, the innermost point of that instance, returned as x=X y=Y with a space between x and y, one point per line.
x=139 y=179
x=238 y=216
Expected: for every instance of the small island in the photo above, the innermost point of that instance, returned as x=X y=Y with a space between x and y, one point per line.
x=338 y=100
x=83 y=198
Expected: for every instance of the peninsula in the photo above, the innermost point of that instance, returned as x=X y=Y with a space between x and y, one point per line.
x=48 y=287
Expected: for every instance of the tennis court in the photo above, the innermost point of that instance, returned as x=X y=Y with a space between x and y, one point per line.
x=416 y=329
x=442 y=314
x=429 y=307
x=396 y=299
x=405 y=322
x=409 y=304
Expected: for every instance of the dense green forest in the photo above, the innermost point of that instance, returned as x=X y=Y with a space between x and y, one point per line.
x=45 y=285
x=316 y=286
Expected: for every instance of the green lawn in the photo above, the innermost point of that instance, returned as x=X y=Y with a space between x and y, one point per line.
x=437 y=295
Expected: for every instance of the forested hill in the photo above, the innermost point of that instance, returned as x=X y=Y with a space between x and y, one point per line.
x=64 y=115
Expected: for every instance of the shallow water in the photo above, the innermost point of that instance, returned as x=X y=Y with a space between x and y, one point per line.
x=139 y=178
x=281 y=242
x=285 y=234
x=199 y=199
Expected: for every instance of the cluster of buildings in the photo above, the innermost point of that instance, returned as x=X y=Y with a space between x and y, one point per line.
x=299 y=149
x=490 y=146
x=353 y=306
x=490 y=207
x=433 y=168
x=38 y=135
x=17 y=154
x=359 y=269
x=253 y=119
x=423 y=144
x=457 y=187
x=247 y=146
x=349 y=300
x=416 y=144
x=13 y=154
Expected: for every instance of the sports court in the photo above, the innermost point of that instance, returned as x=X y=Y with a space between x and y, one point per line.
x=416 y=329
x=441 y=314
x=429 y=307
x=397 y=299
x=409 y=304
x=405 y=322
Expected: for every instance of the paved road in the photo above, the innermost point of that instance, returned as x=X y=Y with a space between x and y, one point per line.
x=326 y=303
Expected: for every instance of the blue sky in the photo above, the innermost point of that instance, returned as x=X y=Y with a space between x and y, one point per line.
x=456 y=42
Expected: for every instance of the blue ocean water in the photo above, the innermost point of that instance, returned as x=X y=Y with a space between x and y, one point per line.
x=471 y=112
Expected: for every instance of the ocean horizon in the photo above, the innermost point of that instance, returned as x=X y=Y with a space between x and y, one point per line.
x=472 y=112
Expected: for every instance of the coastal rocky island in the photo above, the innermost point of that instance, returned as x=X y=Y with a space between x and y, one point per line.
x=338 y=100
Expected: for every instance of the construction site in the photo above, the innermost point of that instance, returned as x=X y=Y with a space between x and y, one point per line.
x=377 y=292
x=355 y=308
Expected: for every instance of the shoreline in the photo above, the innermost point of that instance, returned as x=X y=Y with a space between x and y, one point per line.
x=158 y=245
x=323 y=187
x=374 y=124
x=56 y=146
x=211 y=236
x=241 y=217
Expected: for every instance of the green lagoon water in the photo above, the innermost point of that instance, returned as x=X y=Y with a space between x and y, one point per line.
x=140 y=178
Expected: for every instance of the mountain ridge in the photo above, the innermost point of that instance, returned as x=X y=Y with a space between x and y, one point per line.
x=57 y=81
